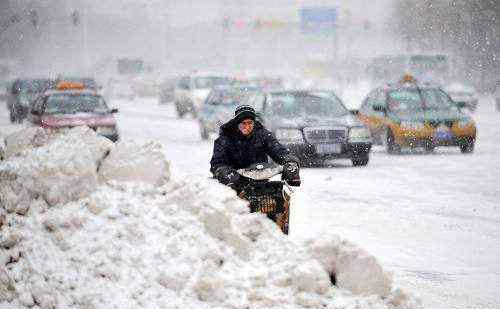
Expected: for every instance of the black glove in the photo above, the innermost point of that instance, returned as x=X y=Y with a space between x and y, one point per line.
x=227 y=175
x=291 y=173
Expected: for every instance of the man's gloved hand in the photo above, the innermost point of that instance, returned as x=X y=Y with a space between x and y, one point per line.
x=291 y=173
x=227 y=176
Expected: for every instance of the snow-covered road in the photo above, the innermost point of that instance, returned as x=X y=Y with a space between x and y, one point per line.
x=432 y=219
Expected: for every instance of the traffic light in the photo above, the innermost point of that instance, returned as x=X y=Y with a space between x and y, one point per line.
x=75 y=18
x=34 y=18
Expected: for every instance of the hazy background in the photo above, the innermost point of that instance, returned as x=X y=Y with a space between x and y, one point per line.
x=49 y=37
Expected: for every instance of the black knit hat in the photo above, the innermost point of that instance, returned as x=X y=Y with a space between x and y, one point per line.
x=244 y=112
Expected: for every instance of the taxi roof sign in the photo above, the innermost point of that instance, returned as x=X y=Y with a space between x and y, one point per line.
x=64 y=85
x=408 y=78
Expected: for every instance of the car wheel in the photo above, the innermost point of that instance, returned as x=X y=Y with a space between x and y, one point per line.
x=391 y=145
x=467 y=145
x=360 y=160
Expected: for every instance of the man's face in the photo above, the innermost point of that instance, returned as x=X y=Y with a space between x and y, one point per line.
x=246 y=126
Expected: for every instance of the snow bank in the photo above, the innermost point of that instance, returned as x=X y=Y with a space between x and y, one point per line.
x=154 y=243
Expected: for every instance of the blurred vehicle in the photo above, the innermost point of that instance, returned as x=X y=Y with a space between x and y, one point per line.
x=220 y=105
x=464 y=96
x=5 y=86
x=191 y=91
x=7 y=69
x=407 y=114
x=145 y=85
x=316 y=126
x=22 y=93
x=263 y=82
x=119 y=88
x=166 y=91
x=71 y=105
x=497 y=95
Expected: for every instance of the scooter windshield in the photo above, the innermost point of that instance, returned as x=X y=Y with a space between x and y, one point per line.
x=260 y=171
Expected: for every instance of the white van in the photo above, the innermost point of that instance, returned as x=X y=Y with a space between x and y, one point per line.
x=191 y=91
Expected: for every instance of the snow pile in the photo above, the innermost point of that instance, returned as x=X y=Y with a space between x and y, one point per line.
x=155 y=243
x=25 y=139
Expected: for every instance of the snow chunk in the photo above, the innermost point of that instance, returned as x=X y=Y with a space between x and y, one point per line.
x=24 y=140
x=60 y=171
x=354 y=269
x=129 y=161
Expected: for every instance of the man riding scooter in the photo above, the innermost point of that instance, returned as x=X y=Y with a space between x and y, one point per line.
x=243 y=141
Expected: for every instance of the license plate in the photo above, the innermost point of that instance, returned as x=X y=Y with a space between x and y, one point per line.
x=328 y=148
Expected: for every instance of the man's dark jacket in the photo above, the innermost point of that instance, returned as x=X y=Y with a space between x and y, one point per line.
x=233 y=150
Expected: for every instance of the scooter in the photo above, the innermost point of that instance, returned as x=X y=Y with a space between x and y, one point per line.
x=271 y=197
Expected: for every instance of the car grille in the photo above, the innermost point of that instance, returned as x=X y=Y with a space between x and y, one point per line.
x=325 y=135
x=436 y=123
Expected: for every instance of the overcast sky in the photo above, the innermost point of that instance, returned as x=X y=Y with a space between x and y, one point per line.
x=183 y=13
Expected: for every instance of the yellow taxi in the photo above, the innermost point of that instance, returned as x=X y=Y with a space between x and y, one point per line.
x=410 y=114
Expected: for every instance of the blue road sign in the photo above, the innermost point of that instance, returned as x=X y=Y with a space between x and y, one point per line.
x=318 y=19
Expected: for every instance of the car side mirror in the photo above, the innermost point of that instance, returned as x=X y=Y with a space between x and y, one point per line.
x=114 y=110
x=459 y=104
x=379 y=108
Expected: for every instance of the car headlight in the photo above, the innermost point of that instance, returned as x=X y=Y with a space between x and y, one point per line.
x=106 y=130
x=359 y=134
x=465 y=122
x=412 y=125
x=289 y=135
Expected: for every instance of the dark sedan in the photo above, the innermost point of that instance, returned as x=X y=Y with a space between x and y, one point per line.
x=316 y=126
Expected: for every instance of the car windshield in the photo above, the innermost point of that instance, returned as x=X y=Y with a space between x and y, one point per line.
x=75 y=103
x=35 y=86
x=211 y=81
x=307 y=104
x=410 y=100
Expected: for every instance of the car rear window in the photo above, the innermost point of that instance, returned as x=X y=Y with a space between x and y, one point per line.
x=404 y=100
x=75 y=103
x=407 y=100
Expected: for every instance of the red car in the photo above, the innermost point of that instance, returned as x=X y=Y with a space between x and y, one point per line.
x=71 y=105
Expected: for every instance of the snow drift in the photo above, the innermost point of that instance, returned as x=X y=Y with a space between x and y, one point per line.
x=89 y=224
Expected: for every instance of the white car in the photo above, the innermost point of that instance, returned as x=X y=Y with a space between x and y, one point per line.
x=464 y=96
x=191 y=91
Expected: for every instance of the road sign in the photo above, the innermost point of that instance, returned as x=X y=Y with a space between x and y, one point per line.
x=318 y=20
